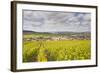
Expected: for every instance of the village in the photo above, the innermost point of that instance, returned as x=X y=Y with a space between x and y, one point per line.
x=56 y=38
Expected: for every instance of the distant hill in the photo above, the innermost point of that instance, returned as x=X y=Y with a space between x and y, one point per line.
x=30 y=32
x=70 y=34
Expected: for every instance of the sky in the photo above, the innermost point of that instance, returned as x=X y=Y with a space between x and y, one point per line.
x=56 y=21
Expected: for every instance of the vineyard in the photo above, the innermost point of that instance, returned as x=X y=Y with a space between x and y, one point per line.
x=56 y=50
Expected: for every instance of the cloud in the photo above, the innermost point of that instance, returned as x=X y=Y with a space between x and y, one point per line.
x=49 y=21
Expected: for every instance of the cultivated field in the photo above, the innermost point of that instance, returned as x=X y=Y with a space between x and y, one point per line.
x=39 y=48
